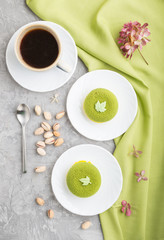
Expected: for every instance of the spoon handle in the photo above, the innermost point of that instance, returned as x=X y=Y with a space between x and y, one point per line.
x=23 y=150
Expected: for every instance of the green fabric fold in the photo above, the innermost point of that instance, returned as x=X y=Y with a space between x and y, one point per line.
x=95 y=26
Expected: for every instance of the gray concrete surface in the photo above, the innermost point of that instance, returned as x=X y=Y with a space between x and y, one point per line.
x=20 y=217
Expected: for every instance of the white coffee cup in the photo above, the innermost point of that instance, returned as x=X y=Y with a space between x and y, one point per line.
x=57 y=62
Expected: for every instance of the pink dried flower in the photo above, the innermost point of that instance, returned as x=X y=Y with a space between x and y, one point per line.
x=129 y=206
x=141 y=176
x=135 y=152
x=124 y=203
x=123 y=209
x=133 y=36
x=126 y=207
x=128 y=212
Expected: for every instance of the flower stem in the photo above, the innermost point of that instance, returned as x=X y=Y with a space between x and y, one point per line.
x=142 y=56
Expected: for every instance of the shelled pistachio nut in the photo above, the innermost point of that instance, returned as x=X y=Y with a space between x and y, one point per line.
x=38 y=110
x=49 y=141
x=56 y=126
x=40 y=144
x=41 y=151
x=39 y=201
x=60 y=115
x=58 y=142
x=48 y=134
x=39 y=131
x=56 y=133
x=40 y=169
x=46 y=126
x=50 y=213
x=47 y=116
x=86 y=225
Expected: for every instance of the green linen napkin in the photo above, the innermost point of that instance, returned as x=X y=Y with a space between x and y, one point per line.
x=95 y=26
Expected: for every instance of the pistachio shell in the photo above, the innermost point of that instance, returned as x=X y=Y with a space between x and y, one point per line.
x=50 y=213
x=86 y=225
x=40 y=144
x=47 y=116
x=59 y=142
x=38 y=110
x=60 y=115
x=56 y=133
x=41 y=151
x=56 y=126
x=49 y=141
x=40 y=169
x=48 y=135
x=39 y=131
x=46 y=126
x=39 y=201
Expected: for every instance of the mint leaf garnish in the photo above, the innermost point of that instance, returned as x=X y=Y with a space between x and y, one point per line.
x=100 y=107
x=85 y=181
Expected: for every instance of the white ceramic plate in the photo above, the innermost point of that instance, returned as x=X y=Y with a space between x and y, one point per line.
x=111 y=177
x=47 y=80
x=127 y=101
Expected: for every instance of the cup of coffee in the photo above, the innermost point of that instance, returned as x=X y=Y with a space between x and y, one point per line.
x=38 y=48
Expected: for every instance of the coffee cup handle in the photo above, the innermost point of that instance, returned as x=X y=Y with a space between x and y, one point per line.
x=64 y=66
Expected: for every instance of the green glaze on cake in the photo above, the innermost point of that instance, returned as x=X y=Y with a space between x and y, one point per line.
x=83 y=170
x=102 y=95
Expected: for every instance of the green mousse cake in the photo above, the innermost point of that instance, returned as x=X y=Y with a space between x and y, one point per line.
x=100 y=105
x=83 y=179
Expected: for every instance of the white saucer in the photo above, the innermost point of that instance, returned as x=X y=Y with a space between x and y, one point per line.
x=127 y=101
x=47 y=80
x=111 y=180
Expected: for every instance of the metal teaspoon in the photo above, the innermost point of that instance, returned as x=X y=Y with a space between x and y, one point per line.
x=23 y=116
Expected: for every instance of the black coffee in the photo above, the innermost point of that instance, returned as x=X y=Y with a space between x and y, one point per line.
x=39 y=48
